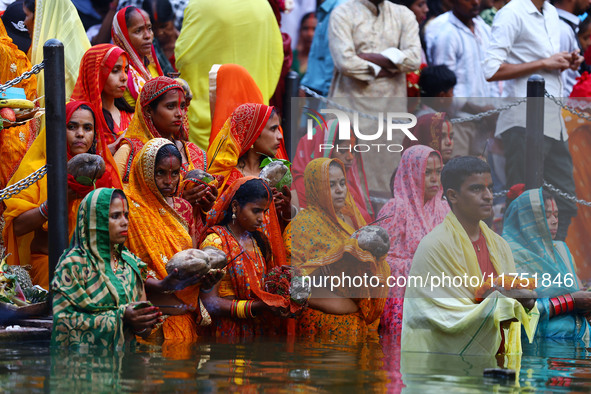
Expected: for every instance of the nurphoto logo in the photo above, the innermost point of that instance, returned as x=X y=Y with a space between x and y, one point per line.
x=394 y=121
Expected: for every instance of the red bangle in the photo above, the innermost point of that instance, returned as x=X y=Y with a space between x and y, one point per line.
x=570 y=302
x=557 y=307
x=563 y=304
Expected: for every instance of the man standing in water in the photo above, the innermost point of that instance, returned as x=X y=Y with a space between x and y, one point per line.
x=448 y=307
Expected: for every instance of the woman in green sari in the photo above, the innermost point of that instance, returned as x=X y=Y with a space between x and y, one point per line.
x=99 y=296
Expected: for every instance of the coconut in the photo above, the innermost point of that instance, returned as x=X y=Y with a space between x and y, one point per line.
x=216 y=258
x=189 y=262
x=198 y=176
x=373 y=239
x=276 y=174
x=86 y=168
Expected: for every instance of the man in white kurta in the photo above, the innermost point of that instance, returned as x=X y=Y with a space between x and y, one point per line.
x=374 y=43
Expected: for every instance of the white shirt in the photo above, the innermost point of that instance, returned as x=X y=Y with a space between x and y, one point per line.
x=463 y=52
x=431 y=33
x=569 y=43
x=521 y=34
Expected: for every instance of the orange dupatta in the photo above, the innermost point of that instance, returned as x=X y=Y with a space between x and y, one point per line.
x=15 y=141
x=157 y=232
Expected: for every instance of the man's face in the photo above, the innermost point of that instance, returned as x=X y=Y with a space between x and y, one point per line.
x=581 y=6
x=473 y=202
x=466 y=9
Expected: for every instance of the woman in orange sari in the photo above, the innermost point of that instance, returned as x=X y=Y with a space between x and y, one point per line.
x=25 y=233
x=101 y=80
x=250 y=134
x=132 y=31
x=320 y=239
x=15 y=141
x=161 y=113
x=239 y=303
x=159 y=227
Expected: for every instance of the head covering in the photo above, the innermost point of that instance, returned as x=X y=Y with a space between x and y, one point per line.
x=408 y=217
x=407 y=220
x=84 y=280
x=526 y=230
x=249 y=280
x=318 y=228
x=157 y=232
x=239 y=133
x=14 y=22
x=95 y=67
x=120 y=35
x=59 y=19
x=72 y=107
x=428 y=131
x=310 y=149
x=230 y=85
x=270 y=225
x=142 y=127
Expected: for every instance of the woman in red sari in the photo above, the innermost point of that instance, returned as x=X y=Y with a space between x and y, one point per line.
x=25 y=234
x=132 y=31
x=101 y=81
x=239 y=304
x=248 y=136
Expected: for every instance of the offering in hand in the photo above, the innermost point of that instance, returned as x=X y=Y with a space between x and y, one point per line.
x=373 y=239
x=192 y=262
x=276 y=172
x=86 y=168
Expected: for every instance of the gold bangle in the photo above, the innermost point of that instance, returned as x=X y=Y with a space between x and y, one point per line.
x=241 y=310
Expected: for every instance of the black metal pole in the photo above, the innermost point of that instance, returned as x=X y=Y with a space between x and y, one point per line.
x=534 y=133
x=55 y=126
x=292 y=86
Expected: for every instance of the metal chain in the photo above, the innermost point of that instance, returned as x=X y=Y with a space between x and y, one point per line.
x=482 y=115
x=566 y=195
x=26 y=75
x=572 y=110
x=502 y=193
x=22 y=184
x=373 y=117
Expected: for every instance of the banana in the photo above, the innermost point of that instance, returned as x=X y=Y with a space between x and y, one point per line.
x=16 y=103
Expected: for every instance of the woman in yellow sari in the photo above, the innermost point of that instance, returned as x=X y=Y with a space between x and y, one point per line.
x=25 y=233
x=159 y=227
x=57 y=19
x=320 y=236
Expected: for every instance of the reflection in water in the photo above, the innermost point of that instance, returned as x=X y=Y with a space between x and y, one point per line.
x=207 y=366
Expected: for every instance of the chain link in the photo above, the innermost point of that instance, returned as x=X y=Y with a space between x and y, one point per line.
x=565 y=195
x=23 y=184
x=485 y=114
x=471 y=118
x=572 y=110
x=26 y=75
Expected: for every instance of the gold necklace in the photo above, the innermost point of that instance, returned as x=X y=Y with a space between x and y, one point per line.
x=115 y=260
